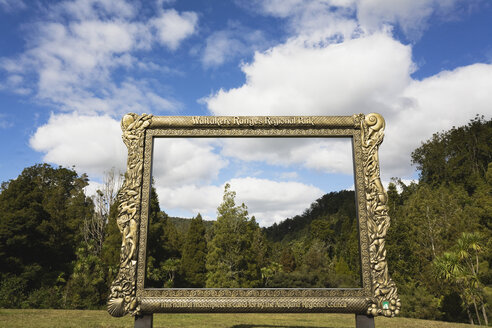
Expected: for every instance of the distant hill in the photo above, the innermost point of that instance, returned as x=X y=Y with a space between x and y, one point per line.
x=183 y=224
x=341 y=203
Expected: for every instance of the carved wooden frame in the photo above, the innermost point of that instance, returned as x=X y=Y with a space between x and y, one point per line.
x=378 y=294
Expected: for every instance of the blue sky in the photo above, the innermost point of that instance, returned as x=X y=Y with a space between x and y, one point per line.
x=70 y=69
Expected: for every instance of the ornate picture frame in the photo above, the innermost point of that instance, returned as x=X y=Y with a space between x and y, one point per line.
x=378 y=294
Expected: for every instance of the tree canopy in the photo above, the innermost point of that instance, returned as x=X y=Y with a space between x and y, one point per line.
x=41 y=215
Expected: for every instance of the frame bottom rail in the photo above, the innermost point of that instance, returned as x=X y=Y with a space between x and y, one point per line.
x=253 y=305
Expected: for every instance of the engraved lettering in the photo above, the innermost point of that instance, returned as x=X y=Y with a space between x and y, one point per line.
x=251 y=121
x=252 y=303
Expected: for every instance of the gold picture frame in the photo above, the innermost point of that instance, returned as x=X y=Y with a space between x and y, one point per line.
x=378 y=294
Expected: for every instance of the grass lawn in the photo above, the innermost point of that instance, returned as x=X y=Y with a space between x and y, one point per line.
x=101 y=319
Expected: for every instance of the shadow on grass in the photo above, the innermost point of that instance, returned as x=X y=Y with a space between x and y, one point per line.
x=274 y=326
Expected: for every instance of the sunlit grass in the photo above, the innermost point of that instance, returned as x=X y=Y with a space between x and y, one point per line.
x=101 y=319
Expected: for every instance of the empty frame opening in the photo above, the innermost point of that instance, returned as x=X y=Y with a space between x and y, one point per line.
x=298 y=227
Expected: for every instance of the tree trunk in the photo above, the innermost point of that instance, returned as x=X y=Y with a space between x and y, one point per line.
x=476 y=312
x=485 y=315
x=469 y=315
x=431 y=232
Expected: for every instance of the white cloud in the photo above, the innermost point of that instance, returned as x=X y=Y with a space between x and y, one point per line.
x=16 y=84
x=324 y=155
x=91 y=189
x=369 y=74
x=91 y=143
x=181 y=161
x=313 y=19
x=292 y=79
x=12 y=5
x=226 y=45
x=220 y=47
x=327 y=18
x=5 y=123
x=450 y=98
x=95 y=9
x=72 y=53
x=188 y=200
x=269 y=201
x=406 y=182
x=74 y=62
x=173 y=27
x=411 y=15
x=333 y=157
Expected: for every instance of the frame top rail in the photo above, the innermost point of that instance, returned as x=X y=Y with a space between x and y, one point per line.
x=256 y=121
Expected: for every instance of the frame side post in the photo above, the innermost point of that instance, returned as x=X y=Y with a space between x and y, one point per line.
x=363 y=321
x=144 y=321
x=385 y=300
x=122 y=297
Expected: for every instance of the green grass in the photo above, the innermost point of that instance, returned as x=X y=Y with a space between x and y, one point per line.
x=101 y=319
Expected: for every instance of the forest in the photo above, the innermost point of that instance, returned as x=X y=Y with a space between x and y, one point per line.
x=60 y=248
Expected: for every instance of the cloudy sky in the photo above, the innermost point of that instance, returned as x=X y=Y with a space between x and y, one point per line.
x=276 y=178
x=69 y=70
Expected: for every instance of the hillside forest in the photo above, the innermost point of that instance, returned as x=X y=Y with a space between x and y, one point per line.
x=60 y=248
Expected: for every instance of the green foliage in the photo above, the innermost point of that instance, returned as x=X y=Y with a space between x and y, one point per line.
x=316 y=256
x=340 y=203
x=41 y=213
x=287 y=259
x=418 y=302
x=170 y=267
x=317 y=243
x=45 y=298
x=460 y=155
x=231 y=260
x=87 y=288
x=182 y=225
x=344 y=277
x=295 y=279
x=268 y=272
x=13 y=291
x=110 y=254
x=435 y=219
x=193 y=262
x=460 y=268
x=163 y=244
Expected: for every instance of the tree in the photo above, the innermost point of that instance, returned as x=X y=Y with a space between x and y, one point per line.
x=468 y=248
x=193 y=262
x=259 y=244
x=460 y=268
x=87 y=286
x=111 y=249
x=268 y=272
x=231 y=259
x=287 y=259
x=162 y=243
x=437 y=216
x=94 y=231
x=41 y=213
x=460 y=155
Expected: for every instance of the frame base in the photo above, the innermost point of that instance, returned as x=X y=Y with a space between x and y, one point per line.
x=144 y=321
x=364 y=321
x=361 y=321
